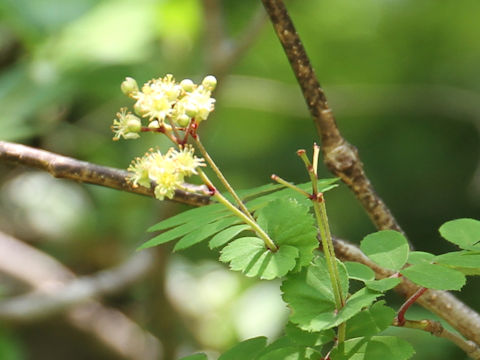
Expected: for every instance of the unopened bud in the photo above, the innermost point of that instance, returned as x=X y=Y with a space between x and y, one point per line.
x=209 y=83
x=187 y=85
x=183 y=120
x=129 y=86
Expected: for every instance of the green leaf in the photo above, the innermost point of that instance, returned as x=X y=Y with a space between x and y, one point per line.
x=195 y=357
x=289 y=222
x=247 y=349
x=387 y=248
x=226 y=235
x=371 y=321
x=204 y=232
x=358 y=271
x=309 y=294
x=420 y=257
x=434 y=276
x=184 y=229
x=462 y=232
x=250 y=256
x=285 y=353
x=468 y=262
x=374 y=348
x=382 y=285
x=208 y=212
x=306 y=338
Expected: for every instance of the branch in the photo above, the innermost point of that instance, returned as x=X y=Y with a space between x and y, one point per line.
x=68 y=168
x=41 y=304
x=341 y=157
x=45 y=274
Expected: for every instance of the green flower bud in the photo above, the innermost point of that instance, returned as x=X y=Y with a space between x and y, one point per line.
x=187 y=85
x=134 y=123
x=183 y=120
x=129 y=86
x=154 y=124
x=209 y=83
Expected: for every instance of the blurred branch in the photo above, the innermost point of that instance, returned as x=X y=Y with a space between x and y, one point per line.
x=223 y=51
x=68 y=168
x=340 y=156
x=441 y=303
x=51 y=279
x=40 y=304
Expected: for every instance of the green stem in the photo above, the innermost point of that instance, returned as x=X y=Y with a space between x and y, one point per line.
x=220 y=176
x=289 y=185
x=247 y=219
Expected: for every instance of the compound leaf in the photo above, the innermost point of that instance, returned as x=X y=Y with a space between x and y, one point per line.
x=387 y=248
x=289 y=222
x=434 y=276
x=250 y=256
x=468 y=262
x=374 y=348
x=462 y=232
x=371 y=321
x=226 y=235
x=248 y=349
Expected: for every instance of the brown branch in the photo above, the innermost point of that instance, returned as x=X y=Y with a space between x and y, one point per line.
x=341 y=157
x=46 y=275
x=68 y=168
x=437 y=329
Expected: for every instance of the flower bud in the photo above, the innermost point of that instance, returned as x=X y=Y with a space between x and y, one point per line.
x=134 y=123
x=209 y=83
x=129 y=86
x=182 y=120
x=154 y=124
x=187 y=85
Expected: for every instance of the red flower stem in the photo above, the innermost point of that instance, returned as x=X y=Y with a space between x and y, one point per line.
x=410 y=301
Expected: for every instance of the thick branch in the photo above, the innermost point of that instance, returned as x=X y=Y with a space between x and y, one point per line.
x=68 y=168
x=46 y=275
x=341 y=157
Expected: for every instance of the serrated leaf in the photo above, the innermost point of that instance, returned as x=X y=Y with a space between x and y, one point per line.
x=462 y=232
x=250 y=256
x=247 y=349
x=201 y=214
x=374 y=348
x=183 y=230
x=289 y=222
x=420 y=257
x=205 y=232
x=434 y=276
x=382 y=285
x=309 y=294
x=371 y=321
x=306 y=338
x=195 y=357
x=358 y=271
x=226 y=235
x=387 y=248
x=286 y=353
x=468 y=262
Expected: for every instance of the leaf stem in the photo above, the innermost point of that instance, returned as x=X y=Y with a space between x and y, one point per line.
x=289 y=185
x=247 y=219
x=220 y=176
x=403 y=309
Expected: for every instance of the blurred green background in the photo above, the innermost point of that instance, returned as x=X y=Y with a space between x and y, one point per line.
x=402 y=77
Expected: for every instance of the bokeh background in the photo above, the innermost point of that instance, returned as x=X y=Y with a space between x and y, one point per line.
x=402 y=77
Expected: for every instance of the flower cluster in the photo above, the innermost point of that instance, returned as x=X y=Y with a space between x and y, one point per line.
x=166 y=171
x=164 y=98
